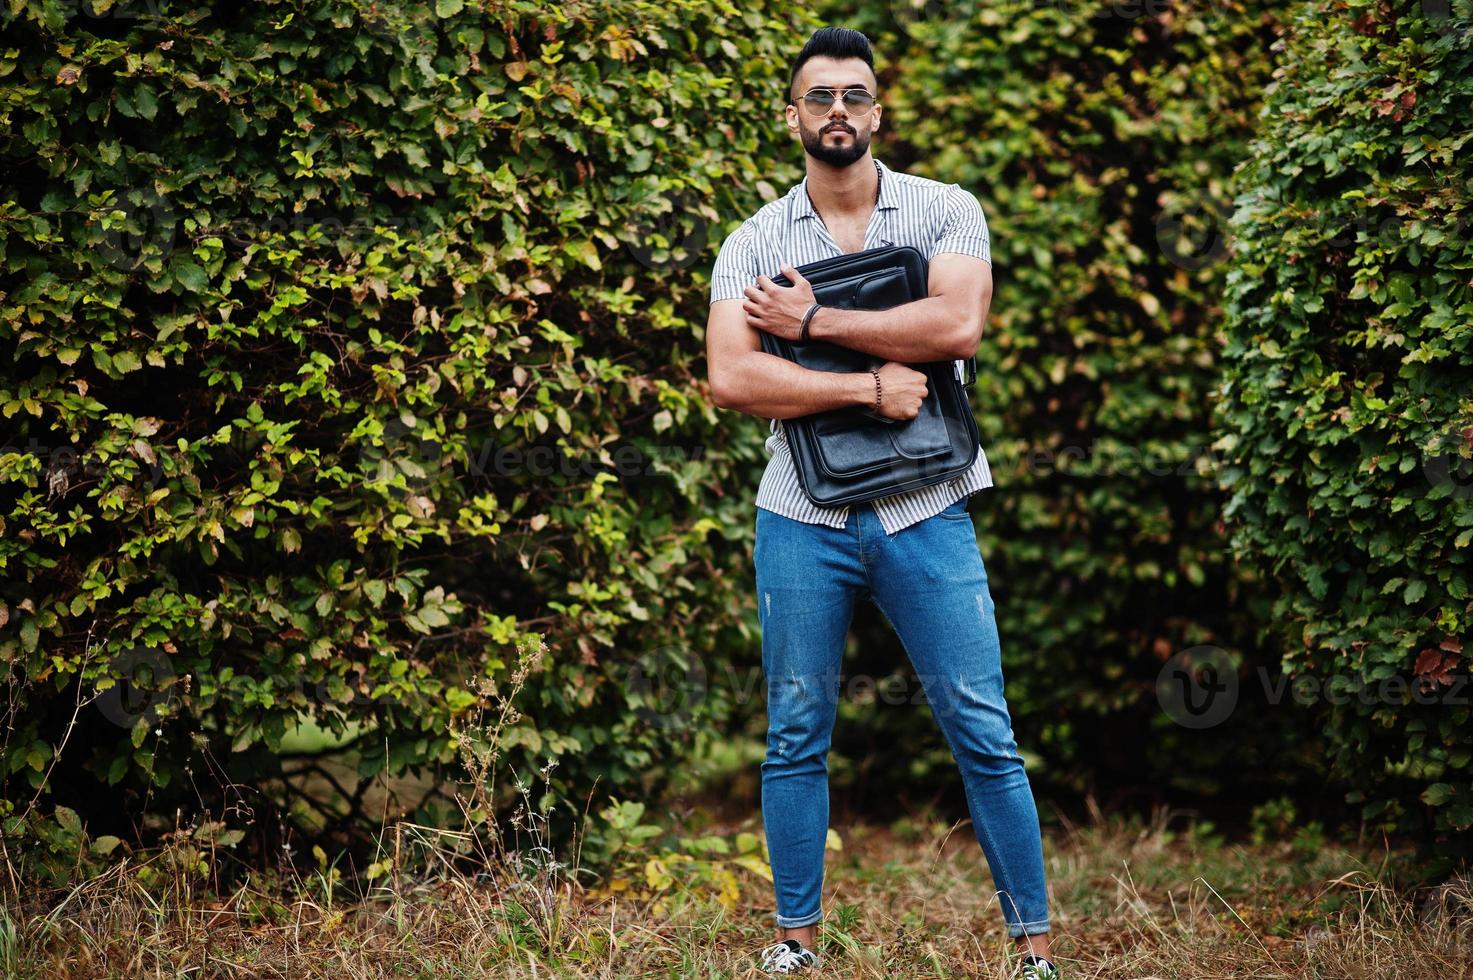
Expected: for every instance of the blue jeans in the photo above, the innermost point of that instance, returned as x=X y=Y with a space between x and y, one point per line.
x=929 y=582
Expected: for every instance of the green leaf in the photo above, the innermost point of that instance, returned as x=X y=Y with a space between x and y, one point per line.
x=586 y=252
x=104 y=845
x=189 y=275
x=1437 y=794
x=68 y=820
x=145 y=102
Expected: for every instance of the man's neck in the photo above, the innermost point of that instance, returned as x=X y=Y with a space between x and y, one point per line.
x=843 y=192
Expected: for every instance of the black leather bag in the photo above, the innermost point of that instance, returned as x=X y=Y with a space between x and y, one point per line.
x=848 y=455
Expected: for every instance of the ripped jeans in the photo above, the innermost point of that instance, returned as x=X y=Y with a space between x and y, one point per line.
x=929 y=582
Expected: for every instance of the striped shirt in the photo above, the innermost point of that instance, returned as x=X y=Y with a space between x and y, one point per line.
x=932 y=216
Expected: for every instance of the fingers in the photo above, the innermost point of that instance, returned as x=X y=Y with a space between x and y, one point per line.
x=752 y=302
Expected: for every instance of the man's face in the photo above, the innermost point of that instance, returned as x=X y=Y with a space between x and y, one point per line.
x=837 y=135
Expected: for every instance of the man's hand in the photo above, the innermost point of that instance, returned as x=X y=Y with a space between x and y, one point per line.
x=778 y=309
x=902 y=389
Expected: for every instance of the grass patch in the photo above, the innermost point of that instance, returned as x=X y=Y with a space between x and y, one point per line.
x=1128 y=898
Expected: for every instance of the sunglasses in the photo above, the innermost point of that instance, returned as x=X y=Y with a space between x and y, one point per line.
x=819 y=100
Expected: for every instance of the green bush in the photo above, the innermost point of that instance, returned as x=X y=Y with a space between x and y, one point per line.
x=1348 y=400
x=1101 y=141
x=294 y=296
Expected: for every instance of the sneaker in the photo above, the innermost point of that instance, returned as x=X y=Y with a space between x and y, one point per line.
x=787 y=956
x=1036 y=967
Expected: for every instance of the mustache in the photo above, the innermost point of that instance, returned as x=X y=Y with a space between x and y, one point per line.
x=837 y=127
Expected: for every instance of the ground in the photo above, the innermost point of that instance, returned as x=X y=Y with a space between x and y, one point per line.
x=1163 y=898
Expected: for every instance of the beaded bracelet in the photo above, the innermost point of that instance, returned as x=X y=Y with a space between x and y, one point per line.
x=803 y=335
x=879 y=392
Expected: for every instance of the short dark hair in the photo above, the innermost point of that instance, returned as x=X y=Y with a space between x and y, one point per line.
x=833 y=42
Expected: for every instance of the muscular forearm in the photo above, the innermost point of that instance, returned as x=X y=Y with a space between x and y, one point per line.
x=926 y=329
x=771 y=387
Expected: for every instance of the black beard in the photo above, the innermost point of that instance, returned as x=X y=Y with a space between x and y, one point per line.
x=835 y=156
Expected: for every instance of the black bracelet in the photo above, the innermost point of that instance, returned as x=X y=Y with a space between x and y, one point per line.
x=879 y=392
x=803 y=334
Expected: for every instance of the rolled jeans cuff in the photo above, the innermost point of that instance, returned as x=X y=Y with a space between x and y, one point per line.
x=1016 y=929
x=797 y=921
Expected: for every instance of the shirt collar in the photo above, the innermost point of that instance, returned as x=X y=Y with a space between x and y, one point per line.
x=889 y=198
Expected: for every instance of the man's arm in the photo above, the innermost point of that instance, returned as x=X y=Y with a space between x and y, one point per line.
x=947 y=323
x=747 y=379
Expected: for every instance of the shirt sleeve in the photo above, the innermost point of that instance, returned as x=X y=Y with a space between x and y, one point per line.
x=964 y=228
x=736 y=265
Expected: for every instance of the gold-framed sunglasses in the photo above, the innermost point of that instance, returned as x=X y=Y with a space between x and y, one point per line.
x=820 y=100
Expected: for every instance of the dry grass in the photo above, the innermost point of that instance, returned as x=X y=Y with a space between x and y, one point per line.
x=1128 y=900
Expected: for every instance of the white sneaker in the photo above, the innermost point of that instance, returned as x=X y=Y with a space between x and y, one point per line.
x=787 y=956
x=1035 y=967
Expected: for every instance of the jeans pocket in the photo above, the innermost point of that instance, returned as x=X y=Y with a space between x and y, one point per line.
x=956 y=511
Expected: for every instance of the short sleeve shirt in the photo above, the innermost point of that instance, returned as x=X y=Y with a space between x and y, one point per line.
x=932 y=216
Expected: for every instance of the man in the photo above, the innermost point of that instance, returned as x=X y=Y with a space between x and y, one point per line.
x=913 y=554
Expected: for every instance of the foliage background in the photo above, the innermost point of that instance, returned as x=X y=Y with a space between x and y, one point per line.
x=286 y=287
x=1101 y=141
x=1347 y=400
x=357 y=383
